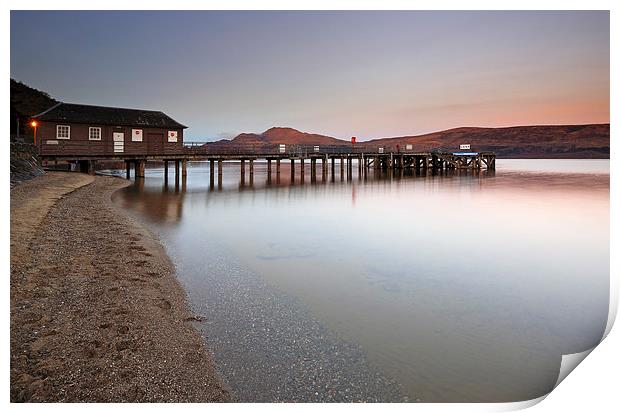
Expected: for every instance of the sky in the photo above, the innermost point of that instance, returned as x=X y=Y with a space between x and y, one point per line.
x=366 y=74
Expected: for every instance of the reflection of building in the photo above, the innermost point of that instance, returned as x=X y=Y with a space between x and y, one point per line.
x=160 y=206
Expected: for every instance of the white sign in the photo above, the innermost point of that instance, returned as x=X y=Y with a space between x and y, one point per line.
x=172 y=136
x=380 y=150
x=282 y=148
x=136 y=135
x=409 y=147
x=119 y=142
x=465 y=146
x=316 y=148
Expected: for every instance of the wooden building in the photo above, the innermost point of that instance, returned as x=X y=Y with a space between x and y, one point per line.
x=67 y=130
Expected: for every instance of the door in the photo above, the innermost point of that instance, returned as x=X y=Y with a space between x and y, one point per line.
x=155 y=143
x=119 y=142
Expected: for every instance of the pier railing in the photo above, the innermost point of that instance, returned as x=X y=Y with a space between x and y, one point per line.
x=200 y=148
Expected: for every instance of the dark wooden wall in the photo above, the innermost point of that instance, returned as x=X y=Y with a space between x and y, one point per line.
x=154 y=141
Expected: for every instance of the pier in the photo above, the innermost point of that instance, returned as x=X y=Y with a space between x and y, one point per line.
x=297 y=156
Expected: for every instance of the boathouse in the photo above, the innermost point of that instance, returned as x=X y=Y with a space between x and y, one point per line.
x=68 y=129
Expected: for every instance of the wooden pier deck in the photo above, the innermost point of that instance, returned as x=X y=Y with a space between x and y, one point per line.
x=363 y=159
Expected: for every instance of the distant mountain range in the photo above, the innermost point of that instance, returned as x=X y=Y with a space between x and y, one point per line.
x=561 y=141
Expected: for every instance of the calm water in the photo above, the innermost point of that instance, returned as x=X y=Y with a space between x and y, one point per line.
x=456 y=288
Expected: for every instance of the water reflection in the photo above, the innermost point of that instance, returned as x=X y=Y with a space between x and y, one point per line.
x=463 y=287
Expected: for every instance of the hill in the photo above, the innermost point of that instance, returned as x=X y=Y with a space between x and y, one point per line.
x=554 y=141
x=26 y=102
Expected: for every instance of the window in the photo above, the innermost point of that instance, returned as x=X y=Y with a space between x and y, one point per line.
x=63 y=132
x=94 y=134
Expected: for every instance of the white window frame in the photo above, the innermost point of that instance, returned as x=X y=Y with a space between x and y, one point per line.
x=90 y=130
x=58 y=132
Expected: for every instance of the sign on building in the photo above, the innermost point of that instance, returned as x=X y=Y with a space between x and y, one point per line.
x=409 y=147
x=282 y=148
x=380 y=150
x=136 y=135
x=316 y=148
x=119 y=142
x=172 y=136
x=464 y=146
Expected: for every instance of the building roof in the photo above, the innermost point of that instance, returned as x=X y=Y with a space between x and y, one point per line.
x=103 y=115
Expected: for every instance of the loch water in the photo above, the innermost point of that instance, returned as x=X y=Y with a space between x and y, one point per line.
x=388 y=286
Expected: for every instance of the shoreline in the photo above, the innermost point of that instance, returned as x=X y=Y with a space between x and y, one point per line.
x=97 y=313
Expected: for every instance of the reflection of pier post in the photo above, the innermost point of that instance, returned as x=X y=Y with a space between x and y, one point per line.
x=278 y=168
x=166 y=172
x=243 y=172
x=269 y=168
x=333 y=168
x=312 y=170
x=128 y=169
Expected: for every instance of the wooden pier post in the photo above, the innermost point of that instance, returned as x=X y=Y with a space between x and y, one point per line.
x=312 y=169
x=341 y=167
x=128 y=168
x=333 y=168
x=302 y=169
x=176 y=171
x=166 y=171
x=278 y=167
x=292 y=170
x=251 y=167
x=269 y=168
x=184 y=167
x=219 y=174
x=323 y=168
x=349 y=167
x=140 y=166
